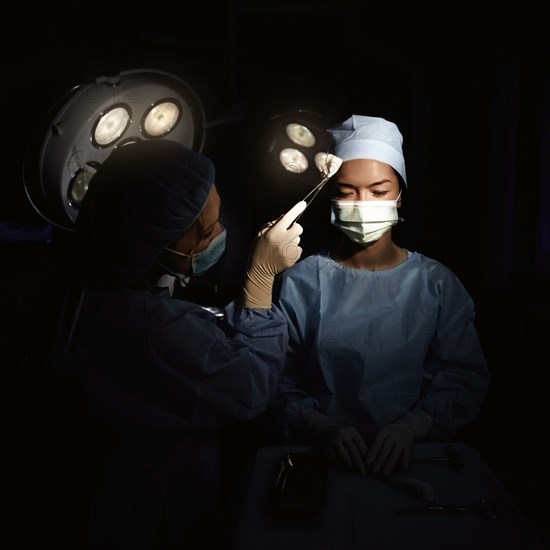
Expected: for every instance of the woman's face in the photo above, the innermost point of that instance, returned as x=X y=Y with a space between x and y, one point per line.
x=365 y=180
x=205 y=228
x=207 y=225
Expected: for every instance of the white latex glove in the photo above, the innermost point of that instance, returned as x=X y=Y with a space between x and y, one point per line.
x=343 y=445
x=275 y=249
x=393 y=443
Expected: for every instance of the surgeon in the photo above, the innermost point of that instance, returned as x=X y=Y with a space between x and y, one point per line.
x=383 y=348
x=159 y=375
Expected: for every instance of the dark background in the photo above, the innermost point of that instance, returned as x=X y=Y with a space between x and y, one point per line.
x=468 y=85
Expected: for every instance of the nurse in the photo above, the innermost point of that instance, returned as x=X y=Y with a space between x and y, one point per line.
x=383 y=347
x=159 y=376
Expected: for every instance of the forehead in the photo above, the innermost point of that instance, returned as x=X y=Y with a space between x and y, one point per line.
x=365 y=172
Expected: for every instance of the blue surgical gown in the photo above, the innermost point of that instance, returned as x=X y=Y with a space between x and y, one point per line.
x=161 y=377
x=367 y=346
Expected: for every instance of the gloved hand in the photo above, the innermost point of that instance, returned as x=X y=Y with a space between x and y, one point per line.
x=343 y=444
x=393 y=443
x=275 y=249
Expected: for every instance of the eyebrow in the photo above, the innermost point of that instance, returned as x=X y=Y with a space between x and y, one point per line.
x=344 y=184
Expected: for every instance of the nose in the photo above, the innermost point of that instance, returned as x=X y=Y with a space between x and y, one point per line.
x=362 y=194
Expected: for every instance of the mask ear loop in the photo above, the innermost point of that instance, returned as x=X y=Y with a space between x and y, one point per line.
x=192 y=250
x=399 y=218
x=178 y=253
x=170 y=271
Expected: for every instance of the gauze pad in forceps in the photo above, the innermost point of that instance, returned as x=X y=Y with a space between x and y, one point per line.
x=328 y=165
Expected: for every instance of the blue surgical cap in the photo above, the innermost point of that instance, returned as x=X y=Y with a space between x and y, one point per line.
x=143 y=197
x=367 y=137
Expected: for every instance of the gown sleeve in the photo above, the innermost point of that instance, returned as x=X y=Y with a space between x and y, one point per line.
x=230 y=373
x=284 y=411
x=154 y=364
x=456 y=376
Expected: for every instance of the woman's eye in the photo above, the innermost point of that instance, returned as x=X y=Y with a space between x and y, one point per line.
x=379 y=193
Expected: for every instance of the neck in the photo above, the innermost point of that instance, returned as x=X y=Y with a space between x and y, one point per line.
x=382 y=254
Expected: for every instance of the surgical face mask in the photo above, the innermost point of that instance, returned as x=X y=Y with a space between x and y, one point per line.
x=203 y=260
x=364 y=221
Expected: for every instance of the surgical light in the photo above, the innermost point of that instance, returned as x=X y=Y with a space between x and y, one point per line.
x=293 y=160
x=79 y=184
x=110 y=126
x=161 y=118
x=93 y=119
x=290 y=143
x=300 y=134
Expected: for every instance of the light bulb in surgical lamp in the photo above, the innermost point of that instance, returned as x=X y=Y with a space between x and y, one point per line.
x=161 y=118
x=300 y=134
x=80 y=183
x=293 y=160
x=110 y=126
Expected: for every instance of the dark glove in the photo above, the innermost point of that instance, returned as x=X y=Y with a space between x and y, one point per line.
x=343 y=445
x=393 y=443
